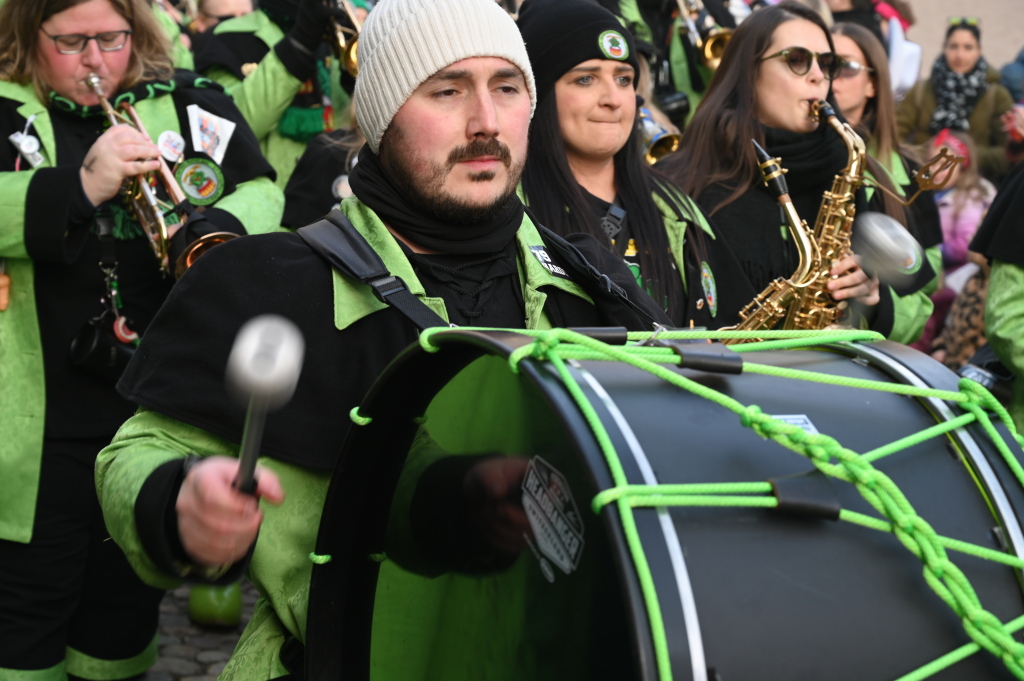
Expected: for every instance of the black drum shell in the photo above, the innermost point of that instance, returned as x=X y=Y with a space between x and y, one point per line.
x=776 y=596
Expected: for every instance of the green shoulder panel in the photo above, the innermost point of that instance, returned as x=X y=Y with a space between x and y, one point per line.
x=354 y=300
x=1004 y=327
x=257 y=23
x=22 y=380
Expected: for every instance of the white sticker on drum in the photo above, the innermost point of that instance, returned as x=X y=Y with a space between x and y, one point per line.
x=801 y=420
x=554 y=518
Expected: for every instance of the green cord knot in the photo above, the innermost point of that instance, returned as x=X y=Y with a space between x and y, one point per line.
x=543 y=345
x=979 y=394
x=318 y=559
x=752 y=417
x=357 y=418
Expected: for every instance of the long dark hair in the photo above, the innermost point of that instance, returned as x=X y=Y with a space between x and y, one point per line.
x=556 y=198
x=878 y=122
x=716 y=148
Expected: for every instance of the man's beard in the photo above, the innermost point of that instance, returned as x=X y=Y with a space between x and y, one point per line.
x=427 y=193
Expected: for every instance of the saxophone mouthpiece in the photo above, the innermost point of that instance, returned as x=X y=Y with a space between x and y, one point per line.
x=771 y=171
x=821 y=109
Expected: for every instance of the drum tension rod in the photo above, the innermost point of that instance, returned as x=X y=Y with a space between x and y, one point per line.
x=703 y=356
x=807 y=494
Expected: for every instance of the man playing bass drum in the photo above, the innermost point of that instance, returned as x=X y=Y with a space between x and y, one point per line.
x=446 y=129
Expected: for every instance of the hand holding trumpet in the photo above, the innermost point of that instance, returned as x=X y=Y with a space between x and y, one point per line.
x=121 y=152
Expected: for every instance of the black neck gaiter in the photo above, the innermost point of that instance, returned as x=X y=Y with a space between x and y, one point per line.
x=372 y=185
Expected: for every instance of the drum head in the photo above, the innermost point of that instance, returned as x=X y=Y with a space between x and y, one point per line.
x=740 y=593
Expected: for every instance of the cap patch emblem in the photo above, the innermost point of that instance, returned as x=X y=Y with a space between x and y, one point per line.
x=613 y=45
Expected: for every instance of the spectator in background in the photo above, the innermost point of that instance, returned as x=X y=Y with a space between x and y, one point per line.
x=962 y=93
x=1013 y=125
x=962 y=206
x=900 y=10
x=1012 y=77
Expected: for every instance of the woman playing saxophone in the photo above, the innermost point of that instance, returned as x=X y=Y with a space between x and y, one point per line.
x=779 y=64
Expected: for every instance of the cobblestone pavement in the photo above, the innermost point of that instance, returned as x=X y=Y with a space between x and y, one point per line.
x=189 y=652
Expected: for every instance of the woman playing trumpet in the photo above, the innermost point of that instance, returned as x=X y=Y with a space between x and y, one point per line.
x=69 y=602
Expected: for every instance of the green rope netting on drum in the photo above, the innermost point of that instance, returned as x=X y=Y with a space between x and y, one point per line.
x=558 y=346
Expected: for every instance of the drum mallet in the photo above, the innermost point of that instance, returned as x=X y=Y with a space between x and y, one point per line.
x=263 y=369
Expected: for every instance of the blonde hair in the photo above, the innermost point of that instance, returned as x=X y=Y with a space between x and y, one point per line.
x=21 y=21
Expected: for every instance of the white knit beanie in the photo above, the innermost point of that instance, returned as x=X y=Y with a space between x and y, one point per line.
x=404 y=42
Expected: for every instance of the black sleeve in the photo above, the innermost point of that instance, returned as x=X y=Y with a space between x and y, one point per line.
x=55 y=231
x=310 y=194
x=607 y=279
x=229 y=51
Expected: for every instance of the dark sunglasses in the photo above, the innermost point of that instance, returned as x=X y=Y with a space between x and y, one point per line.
x=799 y=59
x=851 y=68
x=964 y=21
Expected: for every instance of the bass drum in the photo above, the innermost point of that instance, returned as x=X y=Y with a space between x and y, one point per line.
x=703 y=587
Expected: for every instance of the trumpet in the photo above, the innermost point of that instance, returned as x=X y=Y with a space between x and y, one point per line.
x=658 y=141
x=709 y=39
x=346 y=40
x=149 y=210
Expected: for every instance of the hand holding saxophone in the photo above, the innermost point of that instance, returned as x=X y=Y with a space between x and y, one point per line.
x=850 y=282
x=120 y=153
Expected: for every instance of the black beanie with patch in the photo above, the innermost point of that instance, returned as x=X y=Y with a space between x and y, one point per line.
x=561 y=34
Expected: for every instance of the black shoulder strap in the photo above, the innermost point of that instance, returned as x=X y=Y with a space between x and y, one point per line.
x=589 y=277
x=339 y=243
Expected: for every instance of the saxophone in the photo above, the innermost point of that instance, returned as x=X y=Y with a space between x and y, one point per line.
x=803 y=301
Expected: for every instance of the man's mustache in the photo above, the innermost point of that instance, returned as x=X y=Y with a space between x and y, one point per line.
x=478 y=148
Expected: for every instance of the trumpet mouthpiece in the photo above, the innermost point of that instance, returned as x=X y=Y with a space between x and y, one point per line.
x=93 y=81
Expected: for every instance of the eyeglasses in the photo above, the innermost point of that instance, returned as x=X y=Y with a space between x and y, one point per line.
x=799 y=59
x=851 y=68
x=75 y=43
x=964 y=21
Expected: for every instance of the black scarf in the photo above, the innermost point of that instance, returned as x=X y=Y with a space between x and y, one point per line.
x=754 y=223
x=956 y=94
x=372 y=185
x=812 y=161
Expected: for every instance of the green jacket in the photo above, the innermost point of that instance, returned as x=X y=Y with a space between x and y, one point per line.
x=915 y=113
x=181 y=56
x=1004 y=327
x=265 y=94
x=256 y=203
x=280 y=566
